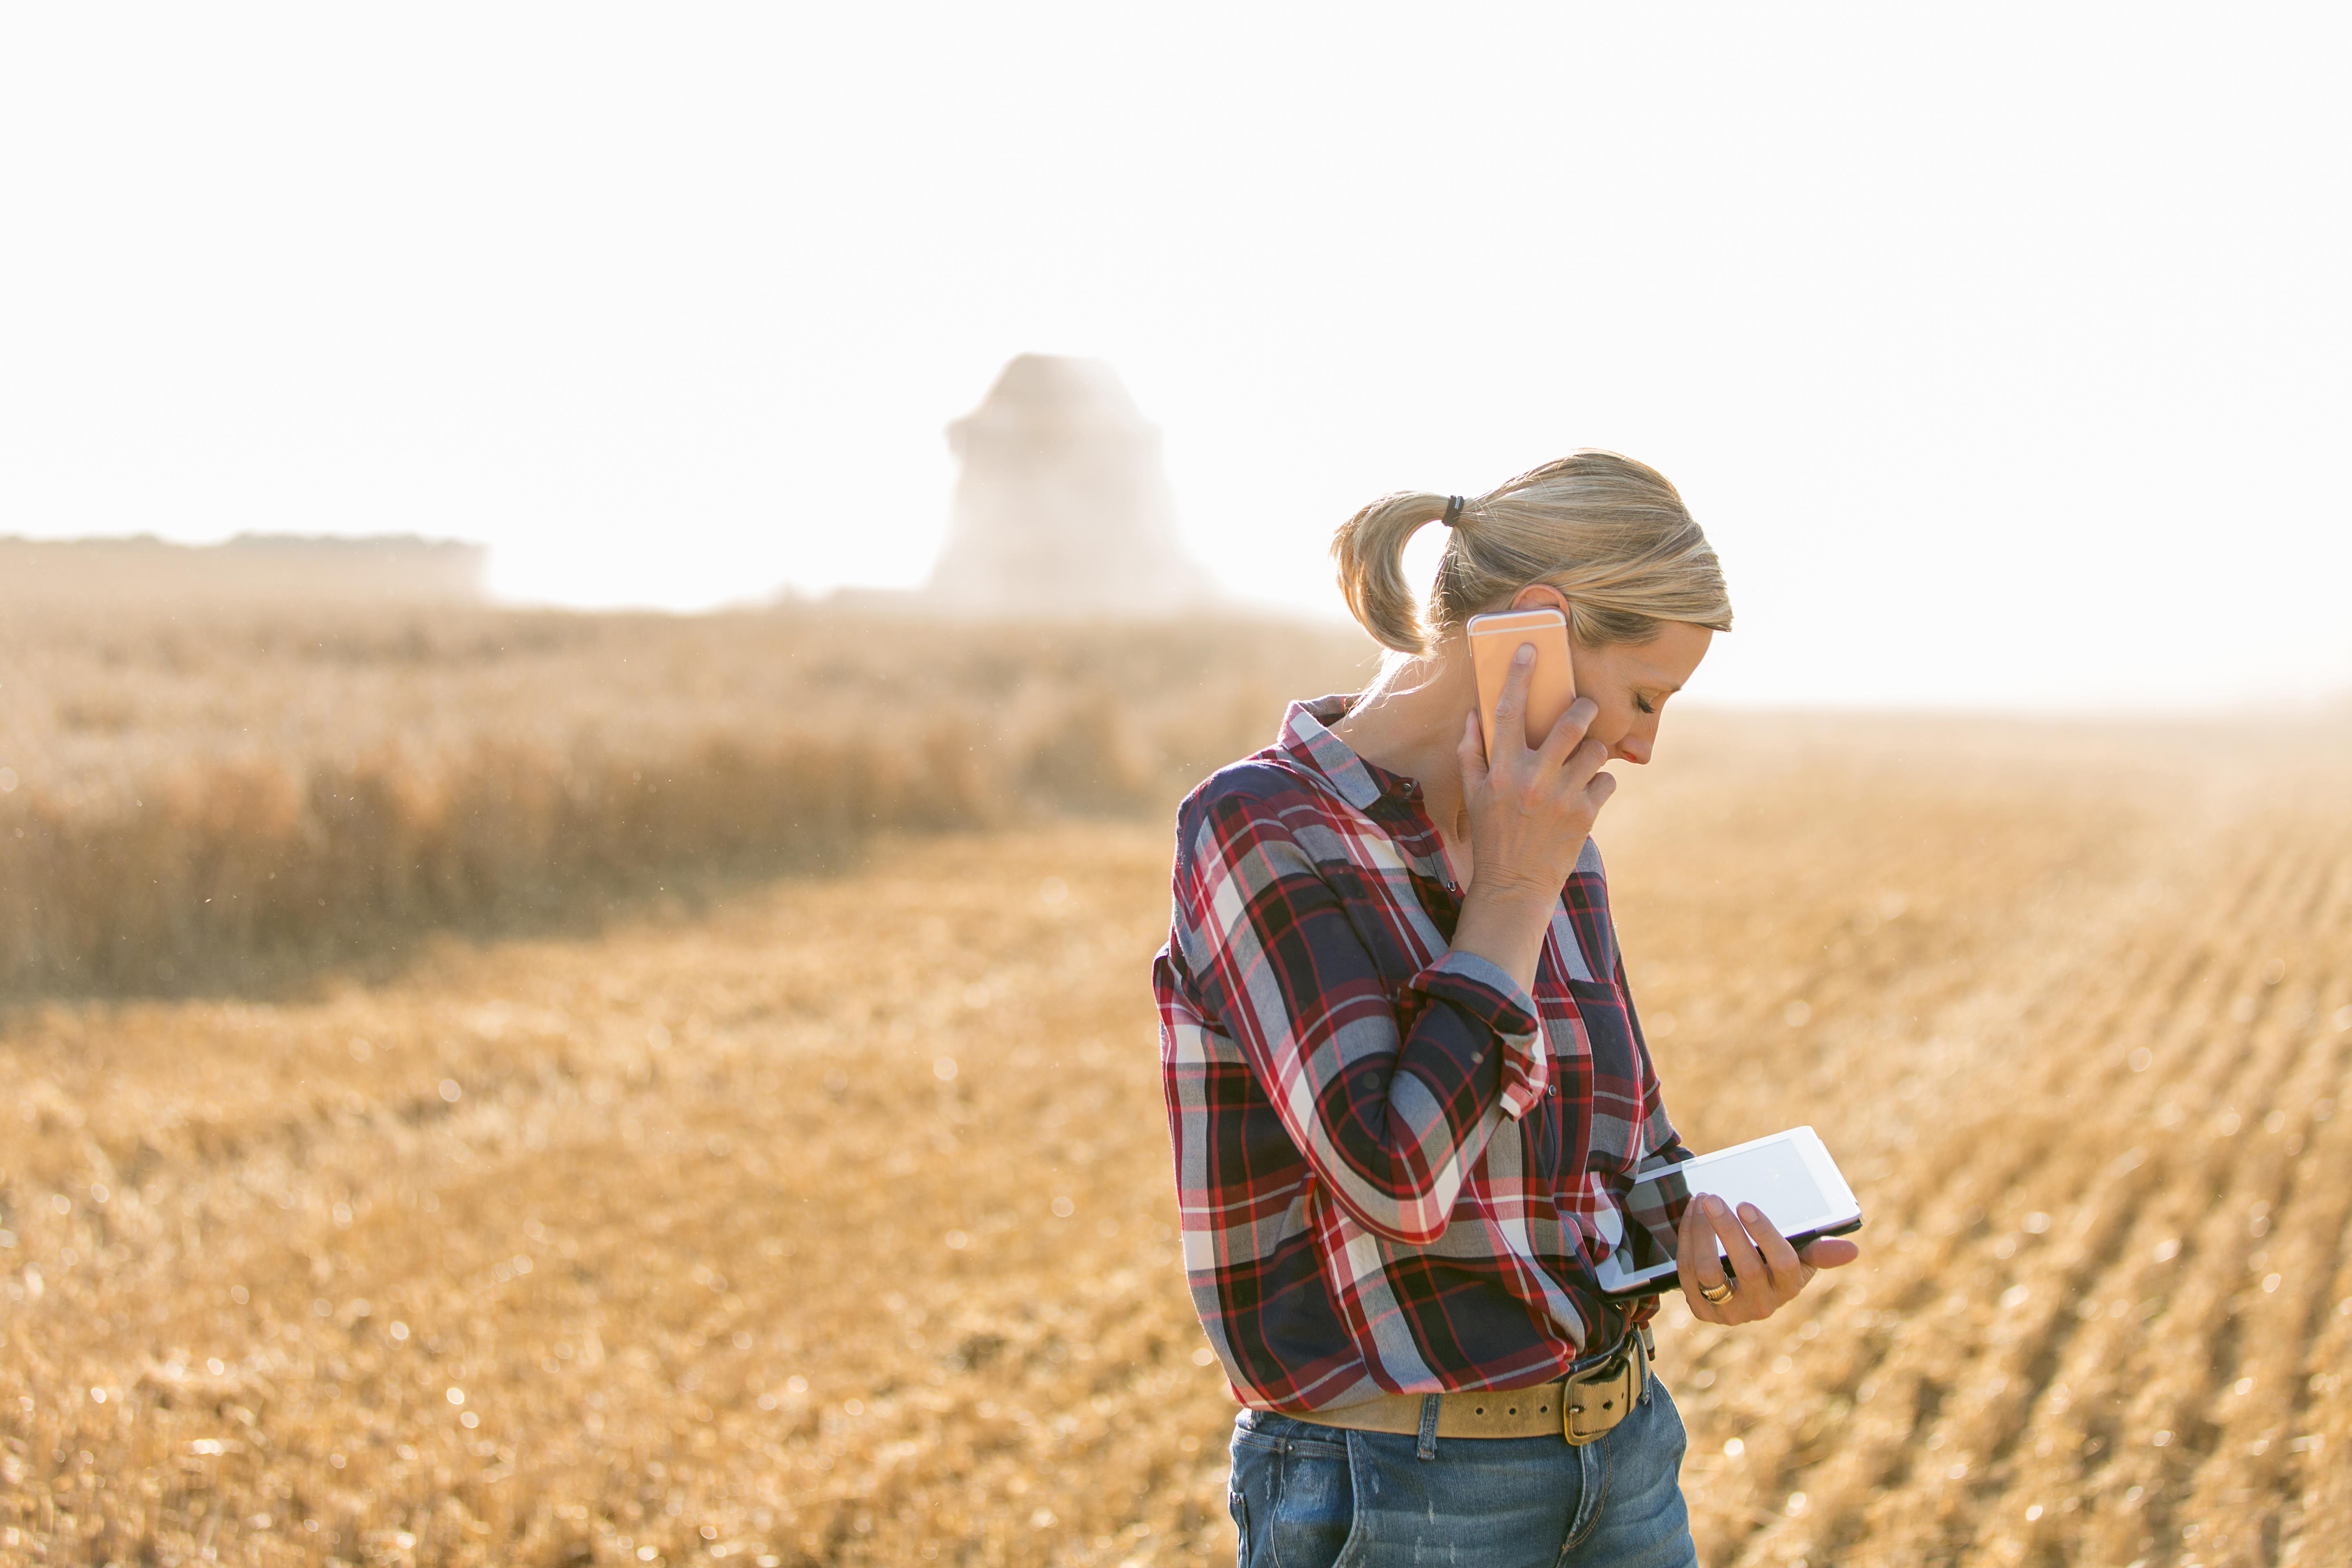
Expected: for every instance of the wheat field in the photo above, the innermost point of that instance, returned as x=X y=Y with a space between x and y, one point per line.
x=828 y=1221
x=197 y=794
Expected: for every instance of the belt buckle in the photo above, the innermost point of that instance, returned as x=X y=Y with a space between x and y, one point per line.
x=1592 y=1407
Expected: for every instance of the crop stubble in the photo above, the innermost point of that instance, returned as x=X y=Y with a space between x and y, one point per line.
x=832 y=1226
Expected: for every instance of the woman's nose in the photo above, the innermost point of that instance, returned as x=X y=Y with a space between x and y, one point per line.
x=1634 y=749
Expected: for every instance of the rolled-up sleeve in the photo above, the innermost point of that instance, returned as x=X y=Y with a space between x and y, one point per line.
x=1390 y=1095
x=1482 y=989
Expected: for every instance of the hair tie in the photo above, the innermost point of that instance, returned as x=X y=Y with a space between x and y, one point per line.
x=1452 y=510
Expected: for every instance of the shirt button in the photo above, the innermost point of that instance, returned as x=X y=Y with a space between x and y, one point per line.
x=1552 y=1090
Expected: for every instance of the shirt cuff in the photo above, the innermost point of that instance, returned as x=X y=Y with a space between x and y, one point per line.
x=1482 y=989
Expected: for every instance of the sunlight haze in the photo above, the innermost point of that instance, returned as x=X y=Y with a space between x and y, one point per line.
x=2001 y=352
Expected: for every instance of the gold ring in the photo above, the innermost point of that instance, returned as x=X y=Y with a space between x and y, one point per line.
x=1719 y=1292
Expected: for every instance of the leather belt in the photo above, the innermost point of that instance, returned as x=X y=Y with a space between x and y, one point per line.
x=1582 y=1409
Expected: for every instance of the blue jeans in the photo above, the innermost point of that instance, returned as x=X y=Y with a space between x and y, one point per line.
x=1320 y=1497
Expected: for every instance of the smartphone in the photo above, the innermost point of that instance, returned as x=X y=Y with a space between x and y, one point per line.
x=1789 y=1175
x=1552 y=685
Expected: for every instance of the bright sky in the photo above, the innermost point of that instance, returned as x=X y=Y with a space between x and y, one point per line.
x=2003 y=352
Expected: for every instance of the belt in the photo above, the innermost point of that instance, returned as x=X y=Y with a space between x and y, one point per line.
x=1582 y=1408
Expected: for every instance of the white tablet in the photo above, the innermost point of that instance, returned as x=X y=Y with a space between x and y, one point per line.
x=1789 y=1175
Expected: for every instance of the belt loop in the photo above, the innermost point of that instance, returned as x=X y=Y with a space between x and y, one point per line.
x=1427 y=1449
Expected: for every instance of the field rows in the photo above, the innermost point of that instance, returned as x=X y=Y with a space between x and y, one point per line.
x=2121 y=1197
x=830 y=1224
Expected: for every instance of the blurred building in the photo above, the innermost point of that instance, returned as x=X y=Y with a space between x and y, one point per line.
x=1062 y=506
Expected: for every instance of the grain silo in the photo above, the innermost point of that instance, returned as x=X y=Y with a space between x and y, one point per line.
x=1062 y=506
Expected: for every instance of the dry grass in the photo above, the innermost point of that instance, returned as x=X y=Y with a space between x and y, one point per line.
x=725 y=1157
x=729 y=1267
x=2076 y=1011
x=226 y=796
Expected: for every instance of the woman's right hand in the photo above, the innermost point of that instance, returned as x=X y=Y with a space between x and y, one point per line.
x=1530 y=811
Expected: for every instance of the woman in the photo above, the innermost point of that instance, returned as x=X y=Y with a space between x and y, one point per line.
x=1405 y=1081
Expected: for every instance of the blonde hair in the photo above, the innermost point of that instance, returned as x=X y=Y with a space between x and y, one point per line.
x=1609 y=532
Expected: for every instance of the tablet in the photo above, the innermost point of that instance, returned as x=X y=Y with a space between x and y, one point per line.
x=1789 y=1175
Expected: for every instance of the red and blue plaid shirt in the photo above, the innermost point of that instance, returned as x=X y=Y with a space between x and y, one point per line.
x=1396 y=1169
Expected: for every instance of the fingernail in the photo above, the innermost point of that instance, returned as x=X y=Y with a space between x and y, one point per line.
x=1527 y=654
x=1749 y=1211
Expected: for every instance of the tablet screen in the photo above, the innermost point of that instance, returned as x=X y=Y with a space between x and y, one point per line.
x=1772 y=1173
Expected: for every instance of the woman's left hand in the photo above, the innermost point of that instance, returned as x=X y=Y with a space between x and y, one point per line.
x=1766 y=1271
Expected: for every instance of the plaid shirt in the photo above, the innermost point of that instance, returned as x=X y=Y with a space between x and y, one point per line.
x=1396 y=1169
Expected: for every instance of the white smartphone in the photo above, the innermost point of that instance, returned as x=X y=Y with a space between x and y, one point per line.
x=1789 y=1175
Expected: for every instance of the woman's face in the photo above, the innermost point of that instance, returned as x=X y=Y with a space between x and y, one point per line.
x=1630 y=681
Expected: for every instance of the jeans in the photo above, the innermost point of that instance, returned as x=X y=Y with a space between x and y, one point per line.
x=1306 y=1496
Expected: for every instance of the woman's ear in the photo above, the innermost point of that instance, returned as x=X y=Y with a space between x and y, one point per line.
x=1539 y=596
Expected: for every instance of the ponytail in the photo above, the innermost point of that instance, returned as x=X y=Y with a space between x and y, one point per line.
x=1369 y=551
x=1609 y=534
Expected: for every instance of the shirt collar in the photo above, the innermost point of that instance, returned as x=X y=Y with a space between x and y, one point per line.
x=1308 y=741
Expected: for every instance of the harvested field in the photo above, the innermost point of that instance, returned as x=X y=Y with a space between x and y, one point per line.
x=830 y=1223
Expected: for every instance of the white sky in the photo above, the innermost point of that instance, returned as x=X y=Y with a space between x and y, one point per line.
x=2003 y=352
